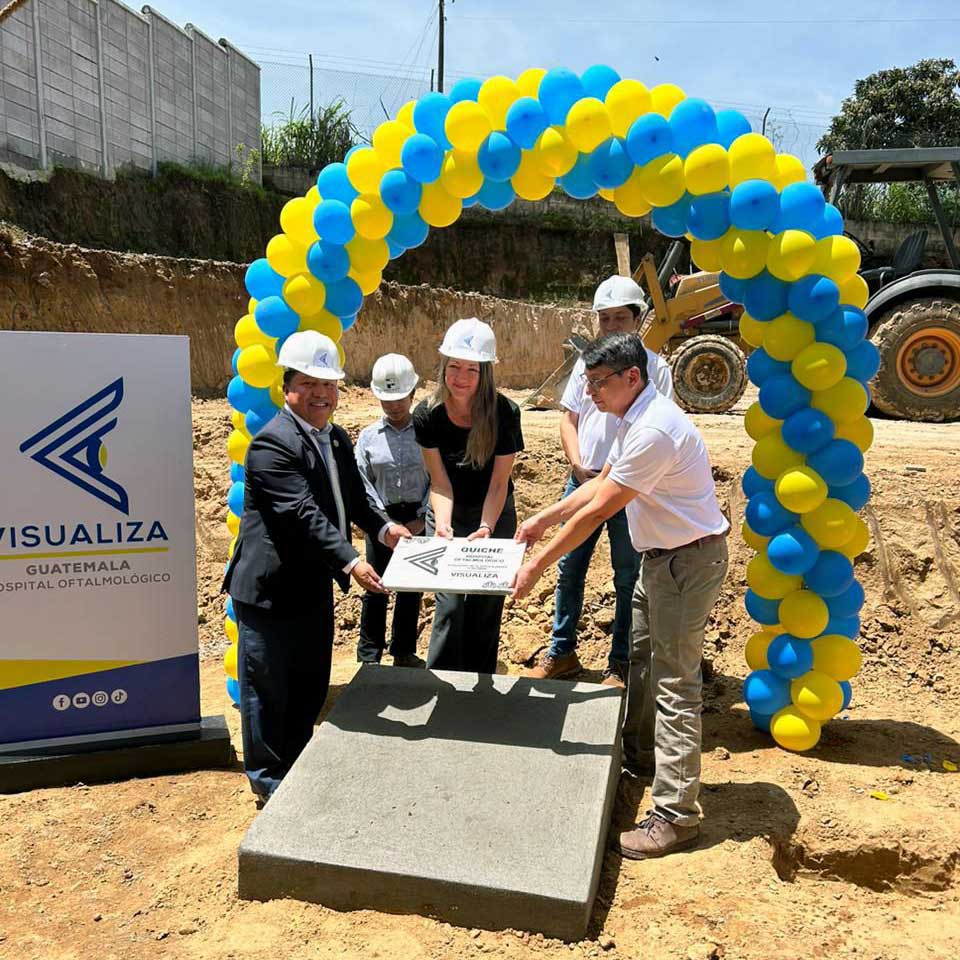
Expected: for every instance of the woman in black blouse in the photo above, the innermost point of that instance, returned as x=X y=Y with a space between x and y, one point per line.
x=470 y=435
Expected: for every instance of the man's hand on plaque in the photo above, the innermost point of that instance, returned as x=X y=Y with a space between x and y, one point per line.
x=530 y=531
x=525 y=580
x=481 y=533
x=395 y=533
x=443 y=530
x=367 y=577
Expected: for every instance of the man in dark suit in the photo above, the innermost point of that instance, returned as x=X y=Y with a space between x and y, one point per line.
x=302 y=492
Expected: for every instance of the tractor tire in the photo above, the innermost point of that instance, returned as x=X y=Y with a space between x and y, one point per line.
x=709 y=374
x=919 y=375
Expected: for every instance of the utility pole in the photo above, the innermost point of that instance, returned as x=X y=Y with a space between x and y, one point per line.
x=440 y=51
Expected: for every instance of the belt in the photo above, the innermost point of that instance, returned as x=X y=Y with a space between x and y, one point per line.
x=702 y=542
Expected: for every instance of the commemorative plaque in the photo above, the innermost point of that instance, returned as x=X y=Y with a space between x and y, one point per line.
x=433 y=564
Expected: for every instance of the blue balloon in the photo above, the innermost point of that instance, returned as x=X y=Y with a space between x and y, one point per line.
x=609 y=165
x=801 y=208
x=730 y=125
x=598 y=79
x=395 y=249
x=672 y=221
x=766 y=296
x=843 y=626
x=578 y=183
x=400 y=192
x=761 y=367
x=496 y=195
x=831 y=575
x=470 y=201
x=848 y=603
x=752 y=482
x=845 y=327
x=813 y=299
x=793 y=551
x=275 y=318
x=234 y=359
x=262 y=280
x=332 y=221
x=789 y=657
x=693 y=123
x=761 y=720
x=235 y=499
x=347 y=322
x=733 y=289
x=344 y=297
x=808 y=430
x=256 y=421
x=328 y=262
x=422 y=158
x=237 y=472
x=855 y=494
x=334 y=184
x=231 y=613
x=498 y=157
x=847 y=693
x=761 y=609
x=709 y=216
x=754 y=205
x=233 y=690
x=244 y=398
x=781 y=395
x=766 y=515
x=830 y=223
x=429 y=115
x=863 y=361
x=840 y=462
x=526 y=120
x=559 y=90
x=409 y=230
x=765 y=692
x=466 y=89
x=649 y=136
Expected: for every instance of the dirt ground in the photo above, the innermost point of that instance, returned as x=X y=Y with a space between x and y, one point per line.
x=798 y=858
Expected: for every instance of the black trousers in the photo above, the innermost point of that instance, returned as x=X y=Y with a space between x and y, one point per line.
x=284 y=673
x=466 y=628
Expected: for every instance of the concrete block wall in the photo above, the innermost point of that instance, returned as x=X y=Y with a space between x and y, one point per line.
x=96 y=85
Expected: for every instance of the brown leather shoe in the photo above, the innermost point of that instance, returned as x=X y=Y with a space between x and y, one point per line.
x=615 y=675
x=555 y=668
x=655 y=836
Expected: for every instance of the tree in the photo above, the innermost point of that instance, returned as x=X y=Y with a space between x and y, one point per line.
x=917 y=106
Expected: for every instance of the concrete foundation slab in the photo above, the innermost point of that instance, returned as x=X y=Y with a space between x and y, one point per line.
x=444 y=794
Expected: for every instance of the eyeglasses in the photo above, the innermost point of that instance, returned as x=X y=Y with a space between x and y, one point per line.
x=595 y=383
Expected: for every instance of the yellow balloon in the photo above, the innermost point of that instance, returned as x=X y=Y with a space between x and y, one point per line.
x=661 y=180
x=588 y=124
x=707 y=169
x=528 y=182
x=755 y=652
x=837 y=258
x=296 y=219
x=237 y=445
x=858 y=542
x=405 y=115
x=230 y=629
x=371 y=217
x=752 y=157
x=496 y=96
x=629 y=199
x=804 y=614
x=788 y=169
x=368 y=255
x=858 y=432
x=323 y=322
x=365 y=170
x=388 y=140
x=855 y=291
x=437 y=207
x=786 y=336
x=467 y=126
x=771 y=456
x=801 y=489
x=744 y=252
x=752 y=538
x=793 y=730
x=257 y=366
x=286 y=257
x=751 y=329
x=836 y=656
x=246 y=333
x=706 y=254
x=305 y=294
x=765 y=579
x=239 y=423
x=367 y=282
x=816 y=695
x=791 y=254
x=832 y=524
x=606 y=193
x=276 y=390
x=555 y=154
x=461 y=175
x=625 y=101
x=844 y=402
x=230 y=658
x=528 y=82
x=233 y=523
x=664 y=97
x=758 y=423
x=819 y=366
x=251 y=306
x=313 y=195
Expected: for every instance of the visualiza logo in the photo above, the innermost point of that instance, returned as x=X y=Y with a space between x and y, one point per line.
x=73 y=448
x=428 y=560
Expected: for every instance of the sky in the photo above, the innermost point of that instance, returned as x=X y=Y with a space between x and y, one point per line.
x=742 y=53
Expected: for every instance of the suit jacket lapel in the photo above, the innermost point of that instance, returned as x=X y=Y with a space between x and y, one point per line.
x=311 y=454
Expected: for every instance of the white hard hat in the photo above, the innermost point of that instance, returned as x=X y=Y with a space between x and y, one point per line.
x=617 y=291
x=470 y=339
x=393 y=377
x=310 y=352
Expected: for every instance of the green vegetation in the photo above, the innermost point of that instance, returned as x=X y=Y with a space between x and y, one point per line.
x=300 y=140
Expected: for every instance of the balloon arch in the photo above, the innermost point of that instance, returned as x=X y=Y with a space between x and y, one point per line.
x=747 y=212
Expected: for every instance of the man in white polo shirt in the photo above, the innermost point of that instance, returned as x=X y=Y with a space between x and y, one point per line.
x=659 y=470
x=587 y=434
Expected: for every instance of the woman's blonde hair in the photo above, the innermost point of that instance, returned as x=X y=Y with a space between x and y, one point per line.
x=482 y=439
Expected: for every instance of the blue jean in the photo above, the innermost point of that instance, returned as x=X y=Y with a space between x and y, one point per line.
x=572 y=574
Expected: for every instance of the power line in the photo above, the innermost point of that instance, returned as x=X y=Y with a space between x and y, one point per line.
x=725 y=21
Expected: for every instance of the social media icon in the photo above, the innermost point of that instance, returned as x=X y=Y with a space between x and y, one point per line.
x=81 y=700
x=61 y=702
x=119 y=695
x=101 y=698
